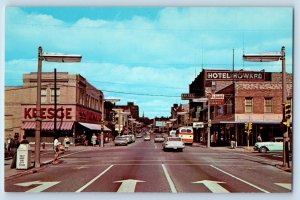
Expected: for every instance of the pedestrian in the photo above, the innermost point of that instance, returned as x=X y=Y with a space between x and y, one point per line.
x=14 y=145
x=99 y=140
x=58 y=149
x=93 y=139
x=66 y=142
x=9 y=139
x=232 y=142
x=259 y=138
x=24 y=141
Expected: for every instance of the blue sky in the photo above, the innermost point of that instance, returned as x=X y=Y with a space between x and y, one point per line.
x=153 y=53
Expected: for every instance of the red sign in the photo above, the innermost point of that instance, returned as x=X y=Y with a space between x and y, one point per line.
x=216 y=102
x=48 y=113
x=85 y=115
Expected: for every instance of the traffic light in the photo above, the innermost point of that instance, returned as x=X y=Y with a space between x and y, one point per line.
x=250 y=126
x=287 y=123
x=112 y=116
x=246 y=127
x=287 y=111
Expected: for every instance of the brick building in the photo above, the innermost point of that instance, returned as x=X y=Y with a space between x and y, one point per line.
x=249 y=96
x=79 y=107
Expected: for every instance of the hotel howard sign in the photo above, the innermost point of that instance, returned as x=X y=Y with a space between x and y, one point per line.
x=237 y=75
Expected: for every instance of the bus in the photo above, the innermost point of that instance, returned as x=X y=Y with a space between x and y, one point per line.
x=186 y=133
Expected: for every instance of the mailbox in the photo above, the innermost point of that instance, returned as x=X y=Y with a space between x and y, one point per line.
x=24 y=156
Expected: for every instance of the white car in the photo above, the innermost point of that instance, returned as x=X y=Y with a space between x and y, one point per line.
x=159 y=138
x=275 y=145
x=173 y=143
x=147 y=138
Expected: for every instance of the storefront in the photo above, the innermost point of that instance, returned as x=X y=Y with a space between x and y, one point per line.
x=73 y=121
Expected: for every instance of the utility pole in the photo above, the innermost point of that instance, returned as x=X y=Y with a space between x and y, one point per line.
x=284 y=99
x=208 y=122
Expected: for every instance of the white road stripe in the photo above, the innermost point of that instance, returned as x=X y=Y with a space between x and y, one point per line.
x=285 y=185
x=171 y=184
x=94 y=179
x=265 y=191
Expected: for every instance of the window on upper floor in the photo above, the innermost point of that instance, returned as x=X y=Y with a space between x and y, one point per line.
x=248 y=105
x=268 y=105
x=229 y=106
x=44 y=95
x=57 y=95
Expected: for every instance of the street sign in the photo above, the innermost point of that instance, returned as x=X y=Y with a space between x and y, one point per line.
x=217 y=96
x=201 y=100
x=188 y=96
x=198 y=125
x=216 y=102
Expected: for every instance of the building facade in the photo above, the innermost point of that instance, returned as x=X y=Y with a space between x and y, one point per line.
x=79 y=107
x=246 y=96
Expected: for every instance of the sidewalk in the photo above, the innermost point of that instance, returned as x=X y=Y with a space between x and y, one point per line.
x=46 y=158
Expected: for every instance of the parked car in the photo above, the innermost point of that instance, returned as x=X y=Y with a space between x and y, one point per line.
x=139 y=136
x=129 y=138
x=132 y=137
x=275 y=145
x=121 y=140
x=173 y=143
x=159 y=138
x=147 y=138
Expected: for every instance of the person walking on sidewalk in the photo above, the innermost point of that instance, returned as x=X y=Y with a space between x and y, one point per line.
x=232 y=142
x=57 y=149
x=14 y=144
x=93 y=139
x=67 y=142
x=24 y=141
x=259 y=138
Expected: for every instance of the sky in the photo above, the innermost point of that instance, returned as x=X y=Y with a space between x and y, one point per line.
x=145 y=55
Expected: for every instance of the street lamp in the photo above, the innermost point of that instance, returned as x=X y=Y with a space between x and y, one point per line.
x=49 y=57
x=271 y=57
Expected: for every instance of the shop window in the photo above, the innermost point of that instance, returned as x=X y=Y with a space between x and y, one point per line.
x=44 y=95
x=248 y=105
x=268 y=105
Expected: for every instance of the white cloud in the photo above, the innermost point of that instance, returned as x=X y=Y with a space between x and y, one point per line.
x=144 y=55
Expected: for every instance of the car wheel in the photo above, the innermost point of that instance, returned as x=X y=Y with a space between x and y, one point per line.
x=263 y=150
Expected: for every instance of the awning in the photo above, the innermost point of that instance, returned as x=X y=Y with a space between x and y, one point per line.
x=94 y=127
x=49 y=125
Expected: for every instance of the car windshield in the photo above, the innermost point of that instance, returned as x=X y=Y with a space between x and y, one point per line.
x=174 y=139
x=158 y=136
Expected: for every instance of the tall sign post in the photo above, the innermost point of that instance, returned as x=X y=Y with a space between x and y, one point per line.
x=270 y=57
x=208 y=120
x=49 y=57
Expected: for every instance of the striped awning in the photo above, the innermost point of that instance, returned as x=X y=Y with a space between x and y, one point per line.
x=49 y=125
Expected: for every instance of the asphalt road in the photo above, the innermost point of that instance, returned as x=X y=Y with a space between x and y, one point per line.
x=144 y=167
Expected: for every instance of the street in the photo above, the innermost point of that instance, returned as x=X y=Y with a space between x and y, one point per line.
x=144 y=167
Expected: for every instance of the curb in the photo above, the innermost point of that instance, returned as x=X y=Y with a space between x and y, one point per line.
x=28 y=171
x=287 y=169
